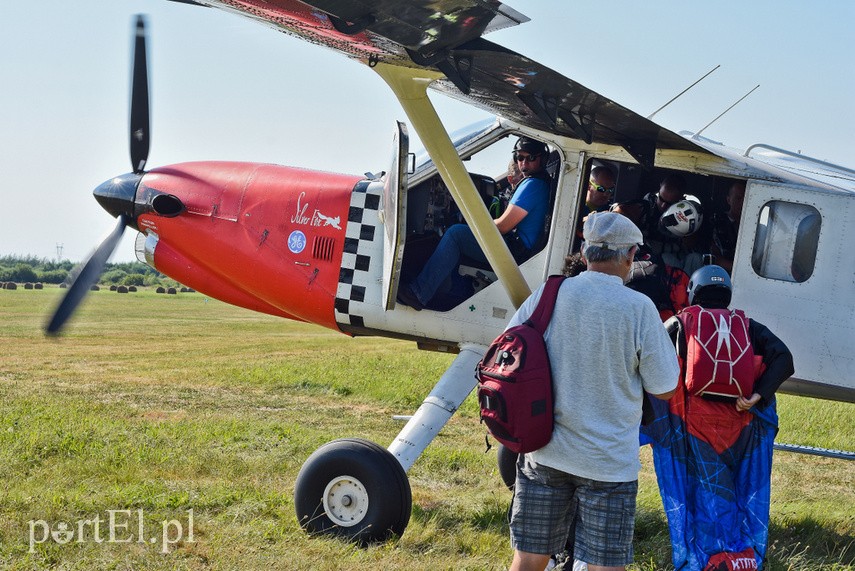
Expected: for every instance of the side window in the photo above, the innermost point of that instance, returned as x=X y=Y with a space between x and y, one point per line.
x=786 y=241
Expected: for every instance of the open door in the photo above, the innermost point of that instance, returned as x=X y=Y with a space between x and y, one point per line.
x=393 y=214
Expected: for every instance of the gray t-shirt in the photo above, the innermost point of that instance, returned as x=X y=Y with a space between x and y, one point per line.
x=606 y=346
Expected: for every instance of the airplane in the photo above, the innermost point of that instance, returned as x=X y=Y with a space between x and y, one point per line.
x=333 y=249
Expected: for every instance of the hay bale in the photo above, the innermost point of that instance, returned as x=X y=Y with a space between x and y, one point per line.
x=94 y=287
x=63 y=285
x=11 y=285
x=39 y=286
x=171 y=291
x=160 y=290
x=122 y=289
x=132 y=288
x=113 y=287
x=28 y=285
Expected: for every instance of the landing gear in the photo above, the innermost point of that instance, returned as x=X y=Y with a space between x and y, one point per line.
x=355 y=489
x=507 y=460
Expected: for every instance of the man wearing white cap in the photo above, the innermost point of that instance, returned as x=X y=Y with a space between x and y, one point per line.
x=606 y=347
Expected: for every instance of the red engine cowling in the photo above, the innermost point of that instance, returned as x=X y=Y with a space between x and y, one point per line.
x=264 y=237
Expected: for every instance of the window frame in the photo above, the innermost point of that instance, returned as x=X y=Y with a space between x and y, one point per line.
x=786 y=241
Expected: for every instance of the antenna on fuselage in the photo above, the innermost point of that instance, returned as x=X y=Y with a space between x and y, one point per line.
x=698 y=134
x=684 y=91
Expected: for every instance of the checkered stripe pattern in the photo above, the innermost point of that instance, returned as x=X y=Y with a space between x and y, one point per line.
x=361 y=240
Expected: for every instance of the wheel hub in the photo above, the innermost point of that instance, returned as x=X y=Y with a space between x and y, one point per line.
x=345 y=501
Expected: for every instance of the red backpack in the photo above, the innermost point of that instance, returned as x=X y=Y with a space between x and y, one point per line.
x=719 y=357
x=515 y=380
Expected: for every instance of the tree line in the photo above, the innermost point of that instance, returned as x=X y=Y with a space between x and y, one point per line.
x=23 y=269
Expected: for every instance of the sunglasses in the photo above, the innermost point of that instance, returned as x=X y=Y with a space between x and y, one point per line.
x=525 y=158
x=600 y=188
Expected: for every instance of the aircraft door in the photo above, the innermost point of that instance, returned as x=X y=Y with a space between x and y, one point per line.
x=793 y=272
x=393 y=214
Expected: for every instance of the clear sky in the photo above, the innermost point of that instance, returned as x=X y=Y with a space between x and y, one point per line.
x=227 y=88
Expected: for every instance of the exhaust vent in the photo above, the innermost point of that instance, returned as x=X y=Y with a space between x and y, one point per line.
x=322 y=248
x=145 y=246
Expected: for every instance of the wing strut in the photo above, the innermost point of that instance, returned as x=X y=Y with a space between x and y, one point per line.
x=457 y=69
x=410 y=87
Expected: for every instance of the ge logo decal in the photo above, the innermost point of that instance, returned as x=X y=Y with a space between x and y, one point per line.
x=297 y=241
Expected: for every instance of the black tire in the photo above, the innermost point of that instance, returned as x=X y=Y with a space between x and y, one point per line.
x=355 y=489
x=507 y=460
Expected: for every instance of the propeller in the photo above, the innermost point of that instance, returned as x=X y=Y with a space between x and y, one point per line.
x=116 y=195
x=139 y=130
x=87 y=276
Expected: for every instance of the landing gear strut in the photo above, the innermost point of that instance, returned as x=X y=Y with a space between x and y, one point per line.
x=507 y=461
x=355 y=489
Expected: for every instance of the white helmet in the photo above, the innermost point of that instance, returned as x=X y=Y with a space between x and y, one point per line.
x=682 y=218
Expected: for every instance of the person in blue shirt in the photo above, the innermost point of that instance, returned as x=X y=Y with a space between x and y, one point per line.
x=521 y=224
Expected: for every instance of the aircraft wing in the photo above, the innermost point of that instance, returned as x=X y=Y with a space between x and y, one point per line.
x=446 y=36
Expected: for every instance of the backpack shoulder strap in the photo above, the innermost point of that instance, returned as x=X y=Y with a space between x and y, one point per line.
x=680 y=339
x=543 y=312
x=740 y=313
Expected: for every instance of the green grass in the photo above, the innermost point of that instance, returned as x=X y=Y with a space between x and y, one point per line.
x=170 y=403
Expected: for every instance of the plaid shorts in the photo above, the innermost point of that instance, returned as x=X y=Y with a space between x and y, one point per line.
x=548 y=503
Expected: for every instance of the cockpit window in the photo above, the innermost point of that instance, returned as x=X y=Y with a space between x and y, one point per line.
x=460 y=138
x=786 y=241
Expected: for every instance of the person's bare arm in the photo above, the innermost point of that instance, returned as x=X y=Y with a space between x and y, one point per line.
x=509 y=219
x=665 y=396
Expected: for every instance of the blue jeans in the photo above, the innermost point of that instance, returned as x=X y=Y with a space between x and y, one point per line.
x=440 y=271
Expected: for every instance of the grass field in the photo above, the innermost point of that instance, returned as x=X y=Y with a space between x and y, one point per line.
x=179 y=411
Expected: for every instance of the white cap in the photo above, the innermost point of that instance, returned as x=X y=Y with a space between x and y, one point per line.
x=611 y=231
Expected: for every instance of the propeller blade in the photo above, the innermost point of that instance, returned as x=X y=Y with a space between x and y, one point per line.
x=139 y=124
x=89 y=273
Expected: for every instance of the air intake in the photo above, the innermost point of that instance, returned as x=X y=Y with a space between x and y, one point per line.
x=167 y=205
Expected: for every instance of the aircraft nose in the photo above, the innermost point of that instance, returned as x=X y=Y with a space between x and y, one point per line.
x=116 y=195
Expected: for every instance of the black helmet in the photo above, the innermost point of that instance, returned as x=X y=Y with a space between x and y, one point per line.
x=532 y=147
x=710 y=286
